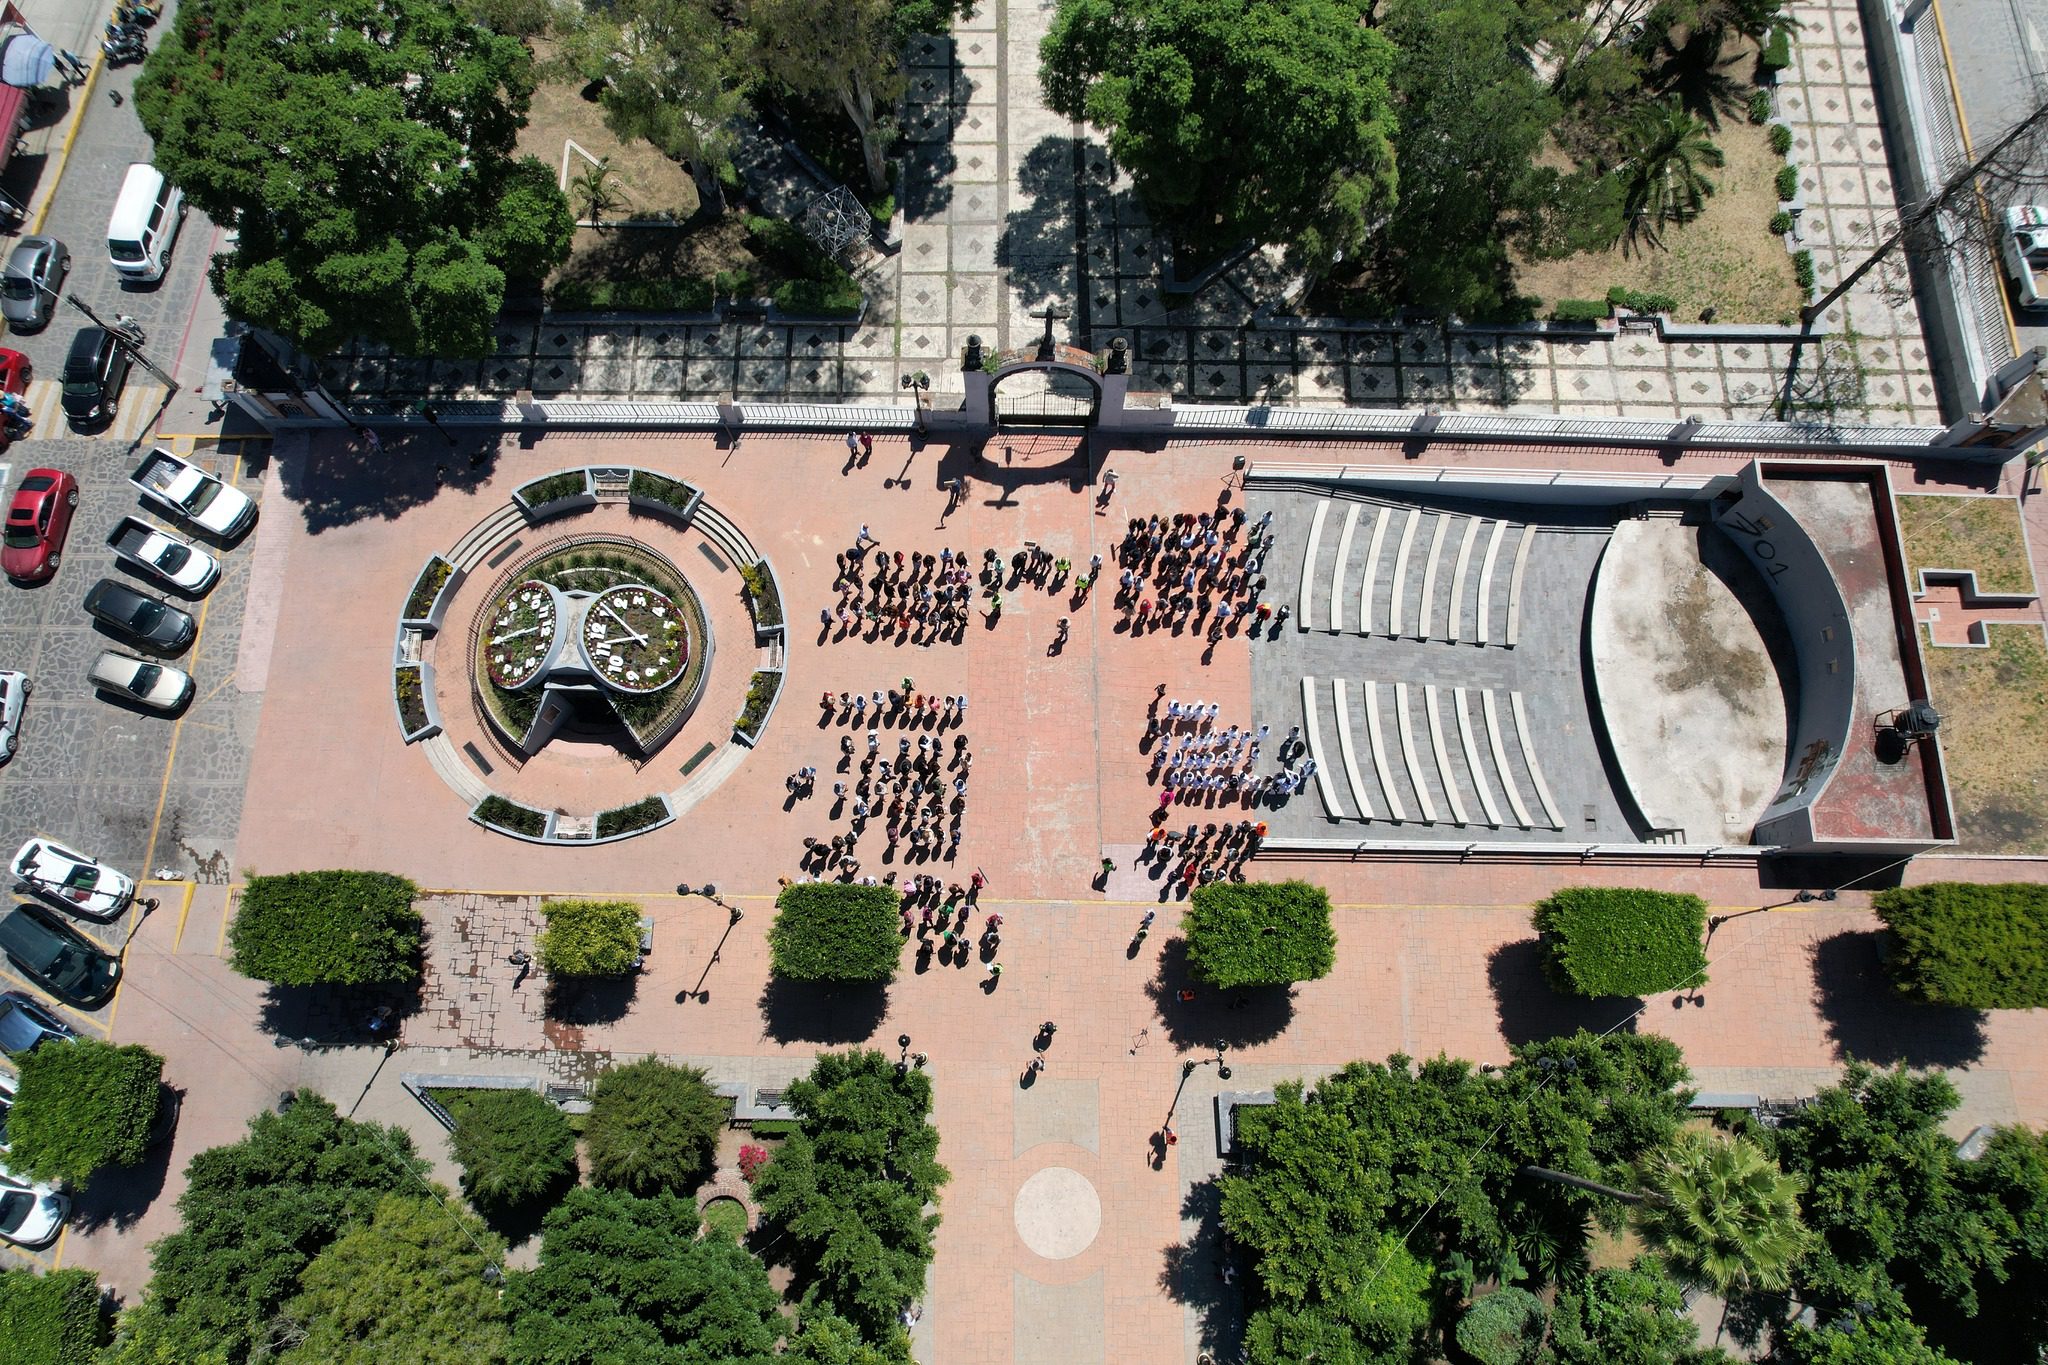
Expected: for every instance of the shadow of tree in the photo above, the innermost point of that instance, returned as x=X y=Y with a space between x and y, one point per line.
x=338 y=481
x=1036 y=245
x=1530 y=1010
x=591 y=999
x=519 y=1222
x=120 y=1195
x=1234 y=1018
x=335 y=1016
x=936 y=112
x=808 y=1012
x=1192 y=1274
x=1865 y=1018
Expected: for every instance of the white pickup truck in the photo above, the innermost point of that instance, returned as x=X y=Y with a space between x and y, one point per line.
x=2024 y=245
x=162 y=555
x=190 y=493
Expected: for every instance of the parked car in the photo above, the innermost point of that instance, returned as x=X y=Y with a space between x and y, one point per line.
x=71 y=881
x=15 y=371
x=14 y=690
x=7 y=1086
x=94 y=372
x=26 y=1022
x=58 y=958
x=155 y=685
x=139 y=616
x=2024 y=245
x=28 y=287
x=31 y=1213
x=38 y=520
x=160 y=554
x=190 y=493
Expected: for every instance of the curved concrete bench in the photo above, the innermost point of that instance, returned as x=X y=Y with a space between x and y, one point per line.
x=1380 y=517
x=1529 y=758
x=1341 y=569
x=1395 y=616
x=1377 y=738
x=1500 y=760
x=1454 y=630
x=1468 y=742
x=1404 y=717
x=1515 y=586
x=1311 y=728
x=1426 y=620
x=1443 y=757
x=1305 y=614
x=1349 y=749
x=1485 y=608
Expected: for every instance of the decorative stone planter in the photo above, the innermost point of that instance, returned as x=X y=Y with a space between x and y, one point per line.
x=578 y=831
x=556 y=506
x=424 y=673
x=437 y=608
x=775 y=699
x=768 y=631
x=662 y=507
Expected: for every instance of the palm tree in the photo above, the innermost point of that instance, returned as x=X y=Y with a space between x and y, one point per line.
x=596 y=192
x=1720 y=1212
x=1663 y=180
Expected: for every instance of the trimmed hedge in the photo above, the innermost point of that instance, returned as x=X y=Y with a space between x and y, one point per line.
x=568 y=484
x=1981 y=947
x=1259 y=933
x=56 y=1318
x=511 y=815
x=1781 y=223
x=588 y=938
x=82 y=1108
x=625 y=819
x=327 y=928
x=1788 y=182
x=1640 y=301
x=1600 y=940
x=1777 y=50
x=825 y=931
x=1580 y=310
x=685 y=295
x=515 y=1148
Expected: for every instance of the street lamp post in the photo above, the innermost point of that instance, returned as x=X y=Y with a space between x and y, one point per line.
x=125 y=336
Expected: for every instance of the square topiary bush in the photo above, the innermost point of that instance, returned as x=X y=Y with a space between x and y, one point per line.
x=588 y=938
x=81 y=1108
x=56 y=1318
x=1981 y=947
x=327 y=928
x=826 y=931
x=1602 y=940
x=1259 y=933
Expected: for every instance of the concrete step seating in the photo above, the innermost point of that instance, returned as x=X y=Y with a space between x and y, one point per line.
x=1436 y=755
x=1421 y=573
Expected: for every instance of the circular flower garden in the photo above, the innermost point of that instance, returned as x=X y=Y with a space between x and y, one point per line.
x=519 y=633
x=634 y=638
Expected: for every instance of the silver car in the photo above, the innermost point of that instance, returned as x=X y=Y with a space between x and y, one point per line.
x=28 y=288
x=14 y=690
x=155 y=685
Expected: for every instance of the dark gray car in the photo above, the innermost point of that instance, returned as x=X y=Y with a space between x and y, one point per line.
x=58 y=958
x=138 y=615
x=28 y=287
x=26 y=1022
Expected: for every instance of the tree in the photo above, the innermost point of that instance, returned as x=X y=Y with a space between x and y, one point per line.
x=82 y=1107
x=1504 y=1328
x=1601 y=941
x=674 y=74
x=1471 y=120
x=327 y=928
x=828 y=931
x=824 y=1338
x=596 y=194
x=653 y=1127
x=363 y=149
x=1625 y=1317
x=1854 y=1339
x=407 y=1285
x=1980 y=947
x=627 y=1279
x=1259 y=933
x=1268 y=119
x=847 y=55
x=515 y=1149
x=255 y=1213
x=54 y=1317
x=2009 y=1181
x=850 y=1189
x=589 y=938
x=1720 y=1212
x=1663 y=177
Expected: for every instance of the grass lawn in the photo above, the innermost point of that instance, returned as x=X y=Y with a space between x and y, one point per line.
x=724 y=1217
x=647 y=182
x=1994 y=736
x=1967 y=532
x=1726 y=259
x=660 y=253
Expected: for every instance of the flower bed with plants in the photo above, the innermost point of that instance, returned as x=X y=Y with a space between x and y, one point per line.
x=420 y=601
x=412 y=700
x=635 y=637
x=654 y=488
x=762 y=598
x=519 y=630
x=510 y=816
x=570 y=483
x=760 y=702
x=642 y=814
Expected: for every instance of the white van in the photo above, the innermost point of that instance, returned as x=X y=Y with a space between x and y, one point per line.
x=144 y=223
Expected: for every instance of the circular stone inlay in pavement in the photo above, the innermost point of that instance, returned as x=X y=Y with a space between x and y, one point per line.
x=1058 y=1213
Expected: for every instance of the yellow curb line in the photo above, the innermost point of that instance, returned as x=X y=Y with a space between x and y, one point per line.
x=57 y=1252
x=1970 y=154
x=64 y=153
x=184 y=911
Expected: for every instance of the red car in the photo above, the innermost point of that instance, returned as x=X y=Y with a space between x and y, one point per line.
x=15 y=371
x=37 y=522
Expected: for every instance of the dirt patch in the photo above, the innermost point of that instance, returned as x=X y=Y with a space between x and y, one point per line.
x=1994 y=738
x=702 y=252
x=1979 y=533
x=1726 y=259
x=648 y=184
x=1734 y=668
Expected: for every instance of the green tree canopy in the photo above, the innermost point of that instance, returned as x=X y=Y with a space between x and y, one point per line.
x=515 y=1147
x=407 y=1285
x=1665 y=175
x=1600 y=940
x=1259 y=933
x=1982 y=947
x=653 y=1127
x=1506 y=1327
x=1625 y=1317
x=54 y=1317
x=1268 y=119
x=364 y=151
x=326 y=928
x=82 y=1107
x=255 y=1213
x=588 y=938
x=833 y=931
x=850 y=1189
x=1720 y=1212
x=623 y=1278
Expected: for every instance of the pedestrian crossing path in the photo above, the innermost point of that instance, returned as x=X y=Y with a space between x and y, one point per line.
x=1419 y=573
x=137 y=412
x=1414 y=753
